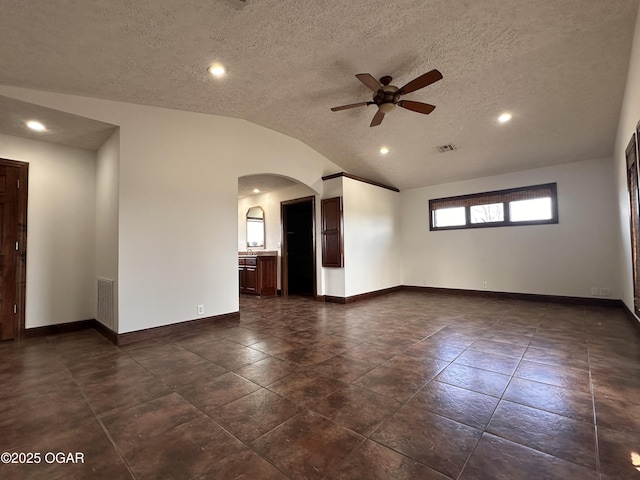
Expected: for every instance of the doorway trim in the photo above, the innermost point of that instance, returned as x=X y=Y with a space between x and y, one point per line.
x=21 y=268
x=284 y=265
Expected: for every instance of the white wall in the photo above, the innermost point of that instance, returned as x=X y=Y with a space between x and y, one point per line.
x=371 y=237
x=371 y=233
x=60 y=230
x=564 y=259
x=178 y=225
x=270 y=203
x=107 y=190
x=629 y=117
x=333 y=279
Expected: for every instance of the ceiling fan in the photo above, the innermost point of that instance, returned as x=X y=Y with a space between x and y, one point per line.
x=387 y=96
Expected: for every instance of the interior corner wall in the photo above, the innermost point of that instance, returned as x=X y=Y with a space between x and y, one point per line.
x=564 y=259
x=60 y=230
x=107 y=211
x=629 y=118
x=371 y=237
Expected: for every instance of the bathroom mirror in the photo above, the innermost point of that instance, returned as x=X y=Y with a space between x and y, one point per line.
x=255 y=227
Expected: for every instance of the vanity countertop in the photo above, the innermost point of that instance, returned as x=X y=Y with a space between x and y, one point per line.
x=258 y=253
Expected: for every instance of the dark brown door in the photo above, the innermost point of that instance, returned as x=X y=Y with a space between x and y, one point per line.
x=634 y=199
x=9 y=251
x=332 y=232
x=267 y=276
x=250 y=279
x=298 y=246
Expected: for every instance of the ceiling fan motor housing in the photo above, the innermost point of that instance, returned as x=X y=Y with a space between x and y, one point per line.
x=386 y=98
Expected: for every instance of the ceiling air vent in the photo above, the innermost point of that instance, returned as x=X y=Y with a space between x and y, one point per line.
x=238 y=3
x=446 y=148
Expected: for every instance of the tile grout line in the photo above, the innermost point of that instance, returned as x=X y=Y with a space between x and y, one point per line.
x=595 y=424
x=96 y=417
x=402 y=405
x=307 y=369
x=593 y=404
x=202 y=412
x=205 y=414
x=484 y=430
x=186 y=400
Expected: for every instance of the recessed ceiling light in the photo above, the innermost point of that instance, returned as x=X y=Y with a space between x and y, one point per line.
x=217 y=70
x=37 y=126
x=384 y=150
x=255 y=190
x=505 y=117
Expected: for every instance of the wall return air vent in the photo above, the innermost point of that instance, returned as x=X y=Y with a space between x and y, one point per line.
x=446 y=148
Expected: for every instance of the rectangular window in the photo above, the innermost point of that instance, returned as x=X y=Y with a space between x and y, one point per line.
x=533 y=205
x=530 y=210
x=450 y=217
x=493 y=212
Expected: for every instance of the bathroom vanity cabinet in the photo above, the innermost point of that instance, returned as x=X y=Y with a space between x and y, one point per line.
x=258 y=274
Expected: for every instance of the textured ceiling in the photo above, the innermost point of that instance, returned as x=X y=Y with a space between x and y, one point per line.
x=558 y=65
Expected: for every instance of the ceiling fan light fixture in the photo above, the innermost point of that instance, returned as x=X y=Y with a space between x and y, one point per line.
x=386 y=107
x=239 y=4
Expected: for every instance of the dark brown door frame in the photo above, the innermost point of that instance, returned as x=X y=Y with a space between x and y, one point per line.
x=284 y=266
x=21 y=269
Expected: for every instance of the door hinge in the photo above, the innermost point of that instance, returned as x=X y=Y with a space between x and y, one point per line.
x=18 y=183
x=17 y=246
x=15 y=309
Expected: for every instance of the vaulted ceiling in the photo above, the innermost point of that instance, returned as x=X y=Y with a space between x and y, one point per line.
x=558 y=66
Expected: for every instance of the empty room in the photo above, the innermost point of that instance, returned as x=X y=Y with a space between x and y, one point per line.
x=320 y=240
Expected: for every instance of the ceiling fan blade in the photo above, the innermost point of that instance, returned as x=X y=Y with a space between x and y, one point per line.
x=369 y=81
x=352 y=105
x=377 y=119
x=416 y=106
x=421 y=82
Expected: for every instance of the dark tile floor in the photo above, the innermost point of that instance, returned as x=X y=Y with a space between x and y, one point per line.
x=404 y=386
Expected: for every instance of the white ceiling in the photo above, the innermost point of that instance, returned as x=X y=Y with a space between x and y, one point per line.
x=558 y=65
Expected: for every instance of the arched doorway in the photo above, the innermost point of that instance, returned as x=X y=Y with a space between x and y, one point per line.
x=289 y=228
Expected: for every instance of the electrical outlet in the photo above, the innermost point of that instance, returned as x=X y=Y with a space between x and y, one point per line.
x=594 y=291
x=604 y=292
x=484 y=284
x=200 y=309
